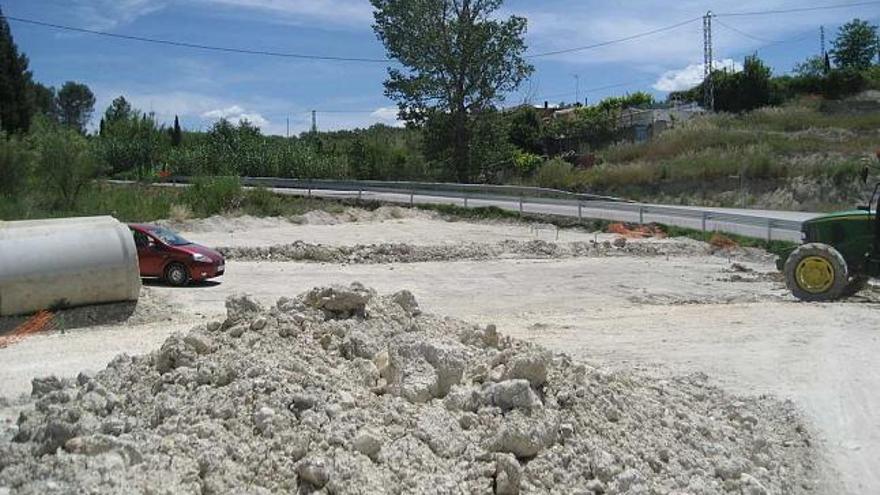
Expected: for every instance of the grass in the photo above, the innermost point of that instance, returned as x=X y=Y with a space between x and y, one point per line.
x=143 y=203
x=768 y=145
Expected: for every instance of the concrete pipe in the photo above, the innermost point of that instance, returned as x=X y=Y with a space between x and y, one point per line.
x=65 y=262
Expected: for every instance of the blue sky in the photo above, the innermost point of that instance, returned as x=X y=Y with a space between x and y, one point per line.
x=202 y=86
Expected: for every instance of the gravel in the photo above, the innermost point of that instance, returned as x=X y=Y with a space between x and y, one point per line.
x=340 y=390
x=460 y=251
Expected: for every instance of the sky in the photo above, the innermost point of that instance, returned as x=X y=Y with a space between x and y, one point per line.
x=203 y=86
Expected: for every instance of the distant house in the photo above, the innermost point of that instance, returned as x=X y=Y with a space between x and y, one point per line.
x=642 y=124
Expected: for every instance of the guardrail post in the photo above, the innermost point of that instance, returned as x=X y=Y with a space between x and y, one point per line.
x=580 y=211
x=465 y=200
x=769 y=230
x=360 y=194
x=412 y=200
x=520 y=205
x=641 y=215
x=705 y=217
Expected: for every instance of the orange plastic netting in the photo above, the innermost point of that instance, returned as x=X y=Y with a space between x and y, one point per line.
x=37 y=323
x=636 y=231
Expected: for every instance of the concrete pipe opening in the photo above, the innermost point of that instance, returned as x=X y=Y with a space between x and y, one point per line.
x=58 y=263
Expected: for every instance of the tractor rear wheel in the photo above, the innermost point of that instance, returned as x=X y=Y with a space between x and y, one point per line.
x=816 y=273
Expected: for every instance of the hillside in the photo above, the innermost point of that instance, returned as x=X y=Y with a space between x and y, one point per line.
x=805 y=155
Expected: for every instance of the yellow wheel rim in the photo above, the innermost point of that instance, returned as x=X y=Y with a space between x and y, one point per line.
x=815 y=274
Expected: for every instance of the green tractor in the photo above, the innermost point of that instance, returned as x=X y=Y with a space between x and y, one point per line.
x=841 y=251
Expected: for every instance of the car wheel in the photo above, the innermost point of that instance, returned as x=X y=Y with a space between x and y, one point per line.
x=176 y=274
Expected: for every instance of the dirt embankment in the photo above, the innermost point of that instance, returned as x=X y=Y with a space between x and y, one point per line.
x=350 y=392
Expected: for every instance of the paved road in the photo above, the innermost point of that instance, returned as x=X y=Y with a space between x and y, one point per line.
x=596 y=209
x=787 y=229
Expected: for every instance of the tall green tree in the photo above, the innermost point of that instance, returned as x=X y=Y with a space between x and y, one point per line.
x=119 y=110
x=176 y=133
x=856 y=45
x=459 y=57
x=76 y=103
x=43 y=101
x=15 y=101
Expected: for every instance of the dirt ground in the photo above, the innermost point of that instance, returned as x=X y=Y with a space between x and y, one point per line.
x=661 y=315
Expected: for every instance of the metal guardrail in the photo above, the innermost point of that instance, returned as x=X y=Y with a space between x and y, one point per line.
x=627 y=211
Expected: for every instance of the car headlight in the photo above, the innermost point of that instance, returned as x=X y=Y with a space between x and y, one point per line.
x=201 y=258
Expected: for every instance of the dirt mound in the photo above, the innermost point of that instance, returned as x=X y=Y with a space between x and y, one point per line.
x=223 y=223
x=342 y=391
x=381 y=214
x=408 y=253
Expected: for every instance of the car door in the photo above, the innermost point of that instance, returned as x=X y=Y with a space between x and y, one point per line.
x=151 y=256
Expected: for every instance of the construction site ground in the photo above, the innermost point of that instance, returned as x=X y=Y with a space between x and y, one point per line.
x=728 y=316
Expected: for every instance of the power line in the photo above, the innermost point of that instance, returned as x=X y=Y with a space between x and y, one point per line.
x=184 y=44
x=615 y=41
x=799 y=9
x=747 y=35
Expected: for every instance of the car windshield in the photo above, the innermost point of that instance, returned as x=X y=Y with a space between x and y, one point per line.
x=169 y=237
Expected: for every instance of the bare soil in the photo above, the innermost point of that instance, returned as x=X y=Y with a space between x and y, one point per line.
x=663 y=315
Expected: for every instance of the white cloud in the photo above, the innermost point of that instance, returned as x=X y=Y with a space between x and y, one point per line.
x=109 y=14
x=334 y=12
x=690 y=76
x=235 y=113
x=387 y=115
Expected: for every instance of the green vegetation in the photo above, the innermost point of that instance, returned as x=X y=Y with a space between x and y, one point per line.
x=458 y=58
x=144 y=203
x=767 y=144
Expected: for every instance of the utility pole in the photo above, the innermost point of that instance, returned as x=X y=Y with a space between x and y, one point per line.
x=577 y=87
x=314 y=121
x=708 y=83
x=288 y=127
x=822 y=39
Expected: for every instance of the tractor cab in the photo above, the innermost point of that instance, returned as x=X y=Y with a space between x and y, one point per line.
x=841 y=251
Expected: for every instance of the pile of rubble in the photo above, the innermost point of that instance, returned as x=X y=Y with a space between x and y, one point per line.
x=534 y=249
x=341 y=390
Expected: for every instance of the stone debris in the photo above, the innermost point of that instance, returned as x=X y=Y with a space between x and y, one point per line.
x=533 y=249
x=343 y=391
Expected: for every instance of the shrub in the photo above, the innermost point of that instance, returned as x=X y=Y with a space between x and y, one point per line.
x=262 y=202
x=554 y=174
x=15 y=164
x=526 y=163
x=211 y=196
x=64 y=164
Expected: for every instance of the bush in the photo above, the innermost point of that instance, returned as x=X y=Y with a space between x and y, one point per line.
x=15 y=164
x=65 y=163
x=262 y=202
x=526 y=163
x=211 y=196
x=554 y=174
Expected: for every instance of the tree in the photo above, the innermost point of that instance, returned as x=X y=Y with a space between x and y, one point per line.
x=176 y=133
x=526 y=130
x=458 y=59
x=856 y=45
x=76 y=103
x=745 y=90
x=64 y=162
x=119 y=110
x=43 y=101
x=811 y=67
x=15 y=100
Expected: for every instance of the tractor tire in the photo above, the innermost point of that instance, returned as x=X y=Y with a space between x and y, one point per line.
x=856 y=285
x=816 y=273
x=176 y=274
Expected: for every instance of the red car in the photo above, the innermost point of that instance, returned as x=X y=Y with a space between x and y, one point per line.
x=164 y=254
